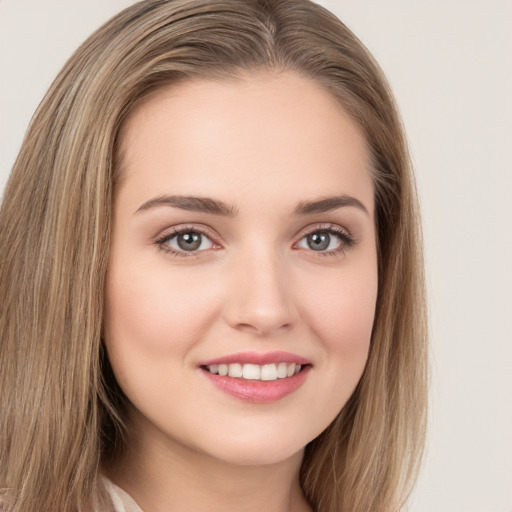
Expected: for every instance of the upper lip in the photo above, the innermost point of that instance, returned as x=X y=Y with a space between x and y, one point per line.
x=258 y=358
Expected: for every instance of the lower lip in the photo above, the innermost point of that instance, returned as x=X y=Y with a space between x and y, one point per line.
x=258 y=391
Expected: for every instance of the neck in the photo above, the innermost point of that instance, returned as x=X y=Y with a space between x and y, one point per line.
x=164 y=476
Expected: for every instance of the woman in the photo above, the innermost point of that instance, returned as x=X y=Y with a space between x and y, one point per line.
x=211 y=277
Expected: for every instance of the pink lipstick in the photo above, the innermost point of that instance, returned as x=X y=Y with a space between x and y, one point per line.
x=257 y=377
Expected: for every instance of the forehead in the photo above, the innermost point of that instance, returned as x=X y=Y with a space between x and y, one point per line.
x=210 y=137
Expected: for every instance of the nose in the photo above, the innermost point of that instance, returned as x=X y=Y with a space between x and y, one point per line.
x=261 y=295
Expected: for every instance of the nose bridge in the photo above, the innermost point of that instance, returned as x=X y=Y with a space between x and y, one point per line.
x=261 y=299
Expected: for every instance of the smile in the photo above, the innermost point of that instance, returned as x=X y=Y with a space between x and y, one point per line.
x=257 y=378
x=266 y=372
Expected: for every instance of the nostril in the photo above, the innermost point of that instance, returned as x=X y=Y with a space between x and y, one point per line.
x=260 y=329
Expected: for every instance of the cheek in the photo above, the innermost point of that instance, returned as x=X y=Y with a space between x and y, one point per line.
x=152 y=317
x=341 y=315
x=346 y=319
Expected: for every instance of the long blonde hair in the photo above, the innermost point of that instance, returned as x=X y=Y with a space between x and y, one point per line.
x=61 y=410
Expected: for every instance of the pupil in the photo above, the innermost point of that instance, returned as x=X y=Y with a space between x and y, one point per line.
x=189 y=241
x=319 y=241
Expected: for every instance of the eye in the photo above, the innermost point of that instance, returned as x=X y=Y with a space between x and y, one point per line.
x=186 y=241
x=326 y=240
x=320 y=241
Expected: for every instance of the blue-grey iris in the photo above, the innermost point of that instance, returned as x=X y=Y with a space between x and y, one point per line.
x=319 y=241
x=189 y=241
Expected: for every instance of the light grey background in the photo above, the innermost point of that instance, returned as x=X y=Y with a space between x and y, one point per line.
x=450 y=65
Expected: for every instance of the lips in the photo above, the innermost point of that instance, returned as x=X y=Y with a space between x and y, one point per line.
x=258 y=358
x=255 y=377
x=248 y=371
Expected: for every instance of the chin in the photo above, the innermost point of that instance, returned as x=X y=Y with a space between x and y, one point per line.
x=259 y=456
x=257 y=448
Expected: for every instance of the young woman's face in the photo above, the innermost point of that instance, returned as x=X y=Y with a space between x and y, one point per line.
x=243 y=242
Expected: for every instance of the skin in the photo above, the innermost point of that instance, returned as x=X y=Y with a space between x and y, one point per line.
x=262 y=144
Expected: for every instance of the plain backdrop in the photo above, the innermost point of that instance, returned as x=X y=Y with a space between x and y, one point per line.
x=450 y=65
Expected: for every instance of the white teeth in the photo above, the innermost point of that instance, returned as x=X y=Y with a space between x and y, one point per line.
x=269 y=372
x=251 y=372
x=282 y=370
x=235 y=370
x=255 y=372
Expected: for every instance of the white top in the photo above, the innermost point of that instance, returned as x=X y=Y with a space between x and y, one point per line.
x=121 y=500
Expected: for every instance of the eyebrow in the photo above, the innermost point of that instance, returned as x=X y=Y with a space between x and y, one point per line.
x=328 y=204
x=216 y=207
x=191 y=203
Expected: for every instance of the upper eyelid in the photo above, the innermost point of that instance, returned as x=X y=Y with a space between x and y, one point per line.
x=336 y=228
x=176 y=230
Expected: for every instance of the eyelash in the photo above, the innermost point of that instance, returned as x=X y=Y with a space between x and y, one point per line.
x=347 y=241
x=161 y=241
